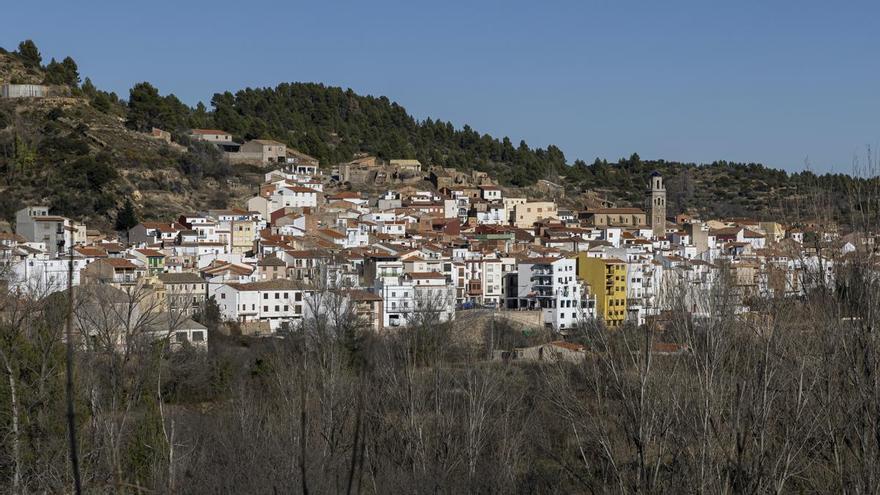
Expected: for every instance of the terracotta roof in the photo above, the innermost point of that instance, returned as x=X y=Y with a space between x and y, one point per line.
x=362 y=295
x=222 y=266
x=302 y=253
x=91 y=251
x=152 y=253
x=271 y=261
x=301 y=189
x=120 y=263
x=726 y=231
x=160 y=226
x=331 y=233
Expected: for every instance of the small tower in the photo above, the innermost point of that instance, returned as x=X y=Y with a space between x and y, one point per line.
x=657 y=204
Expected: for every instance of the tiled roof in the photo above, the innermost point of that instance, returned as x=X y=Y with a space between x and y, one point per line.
x=426 y=275
x=120 y=263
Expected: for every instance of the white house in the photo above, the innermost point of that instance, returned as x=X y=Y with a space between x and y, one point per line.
x=276 y=301
x=490 y=193
x=552 y=285
x=424 y=296
x=37 y=276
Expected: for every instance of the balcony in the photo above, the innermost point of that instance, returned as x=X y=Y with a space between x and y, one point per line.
x=543 y=293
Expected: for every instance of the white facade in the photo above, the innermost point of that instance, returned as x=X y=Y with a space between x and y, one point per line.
x=552 y=286
x=410 y=297
x=276 y=301
x=43 y=276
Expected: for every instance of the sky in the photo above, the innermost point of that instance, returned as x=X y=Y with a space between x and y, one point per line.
x=790 y=84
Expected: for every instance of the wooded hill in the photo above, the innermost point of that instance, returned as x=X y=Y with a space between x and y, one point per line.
x=94 y=141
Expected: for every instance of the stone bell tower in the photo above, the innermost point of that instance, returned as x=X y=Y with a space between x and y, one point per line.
x=656 y=198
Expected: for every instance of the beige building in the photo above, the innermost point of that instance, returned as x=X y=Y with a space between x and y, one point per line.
x=509 y=206
x=614 y=217
x=407 y=165
x=242 y=236
x=271 y=268
x=210 y=136
x=181 y=292
x=262 y=150
x=526 y=214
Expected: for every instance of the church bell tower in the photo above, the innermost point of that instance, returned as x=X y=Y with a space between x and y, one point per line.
x=657 y=205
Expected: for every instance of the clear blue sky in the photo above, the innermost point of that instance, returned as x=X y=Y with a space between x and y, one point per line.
x=771 y=81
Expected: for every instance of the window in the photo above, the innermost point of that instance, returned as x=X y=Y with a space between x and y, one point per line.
x=222 y=295
x=198 y=336
x=276 y=308
x=298 y=297
x=180 y=336
x=277 y=296
x=285 y=308
x=297 y=309
x=265 y=295
x=266 y=308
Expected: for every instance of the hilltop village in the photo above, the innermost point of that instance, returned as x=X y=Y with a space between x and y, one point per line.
x=466 y=244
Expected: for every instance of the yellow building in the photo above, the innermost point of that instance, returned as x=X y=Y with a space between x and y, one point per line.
x=607 y=281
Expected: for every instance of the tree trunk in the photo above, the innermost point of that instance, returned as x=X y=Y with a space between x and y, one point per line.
x=16 y=435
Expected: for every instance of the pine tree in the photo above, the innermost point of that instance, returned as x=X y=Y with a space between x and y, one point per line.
x=29 y=54
x=126 y=218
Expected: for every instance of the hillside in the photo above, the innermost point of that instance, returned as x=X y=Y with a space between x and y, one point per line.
x=85 y=163
x=54 y=149
x=723 y=189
